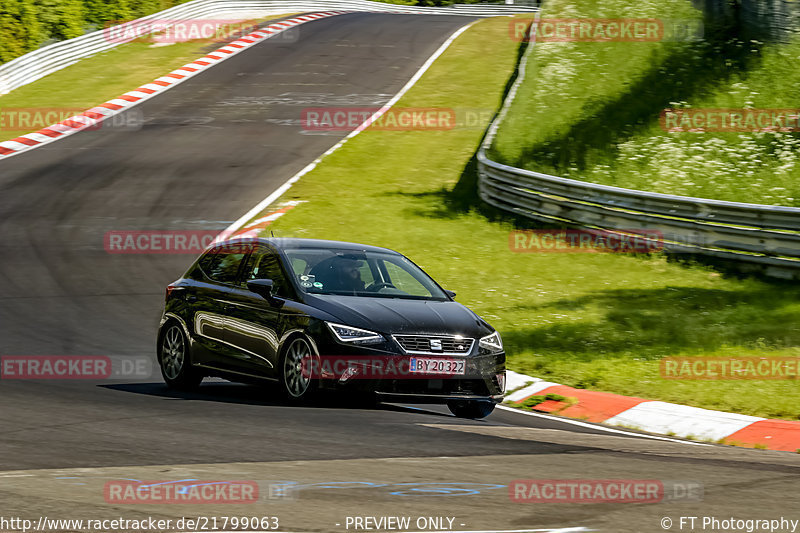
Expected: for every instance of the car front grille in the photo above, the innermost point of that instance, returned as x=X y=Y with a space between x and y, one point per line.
x=430 y=344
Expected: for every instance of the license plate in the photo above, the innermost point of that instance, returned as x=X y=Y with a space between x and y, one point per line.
x=424 y=365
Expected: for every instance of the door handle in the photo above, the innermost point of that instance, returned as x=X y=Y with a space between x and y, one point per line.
x=191 y=298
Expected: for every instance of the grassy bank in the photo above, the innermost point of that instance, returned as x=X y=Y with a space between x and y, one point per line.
x=590 y=110
x=587 y=320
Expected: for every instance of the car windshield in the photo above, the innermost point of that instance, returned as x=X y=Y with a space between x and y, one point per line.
x=356 y=273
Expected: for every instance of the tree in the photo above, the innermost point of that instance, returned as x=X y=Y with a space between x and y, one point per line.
x=101 y=12
x=61 y=19
x=142 y=8
x=19 y=28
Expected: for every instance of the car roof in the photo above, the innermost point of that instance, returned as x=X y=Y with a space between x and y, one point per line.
x=282 y=243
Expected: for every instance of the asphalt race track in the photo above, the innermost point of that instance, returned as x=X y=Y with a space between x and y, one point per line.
x=209 y=150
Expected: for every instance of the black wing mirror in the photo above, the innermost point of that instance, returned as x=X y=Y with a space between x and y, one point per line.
x=451 y=294
x=262 y=287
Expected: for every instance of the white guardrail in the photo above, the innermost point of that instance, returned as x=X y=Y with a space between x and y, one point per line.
x=51 y=58
x=753 y=236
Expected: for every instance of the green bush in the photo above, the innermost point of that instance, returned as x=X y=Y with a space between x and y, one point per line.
x=19 y=28
x=99 y=12
x=60 y=19
x=28 y=24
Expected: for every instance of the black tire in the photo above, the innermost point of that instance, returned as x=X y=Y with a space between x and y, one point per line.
x=363 y=399
x=471 y=408
x=175 y=361
x=371 y=400
x=297 y=385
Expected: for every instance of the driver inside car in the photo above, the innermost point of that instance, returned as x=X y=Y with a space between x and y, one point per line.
x=347 y=275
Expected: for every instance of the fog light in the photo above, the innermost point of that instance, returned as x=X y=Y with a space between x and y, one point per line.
x=348 y=374
x=501 y=381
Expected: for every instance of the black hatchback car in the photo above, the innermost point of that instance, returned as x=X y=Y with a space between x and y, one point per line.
x=313 y=314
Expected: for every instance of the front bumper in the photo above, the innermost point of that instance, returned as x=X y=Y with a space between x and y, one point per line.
x=483 y=377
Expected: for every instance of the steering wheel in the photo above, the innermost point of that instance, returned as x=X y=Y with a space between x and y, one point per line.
x=375 y=287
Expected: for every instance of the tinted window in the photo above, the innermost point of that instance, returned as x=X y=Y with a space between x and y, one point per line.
x=222 y=264
x=265 y=264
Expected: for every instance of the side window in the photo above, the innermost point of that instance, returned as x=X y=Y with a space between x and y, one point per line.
x=265 y=264
x=222 y=264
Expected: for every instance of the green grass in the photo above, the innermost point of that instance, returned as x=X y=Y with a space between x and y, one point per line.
x=590 y=111
x=102 y=77
x=529 y=403
x=586 y=320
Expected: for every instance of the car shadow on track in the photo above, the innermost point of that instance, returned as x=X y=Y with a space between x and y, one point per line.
x=238 y=393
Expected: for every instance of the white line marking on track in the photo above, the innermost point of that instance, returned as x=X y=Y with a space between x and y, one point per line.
x=598 y=427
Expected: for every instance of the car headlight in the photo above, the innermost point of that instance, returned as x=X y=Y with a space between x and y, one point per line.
x=351 y=335
x=491 y=343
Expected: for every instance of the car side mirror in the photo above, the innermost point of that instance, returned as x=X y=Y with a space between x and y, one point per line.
x=262 y=287
x=451 y=294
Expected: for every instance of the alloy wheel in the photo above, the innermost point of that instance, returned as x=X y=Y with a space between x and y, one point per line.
x=173 y=351
x=295 y=376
